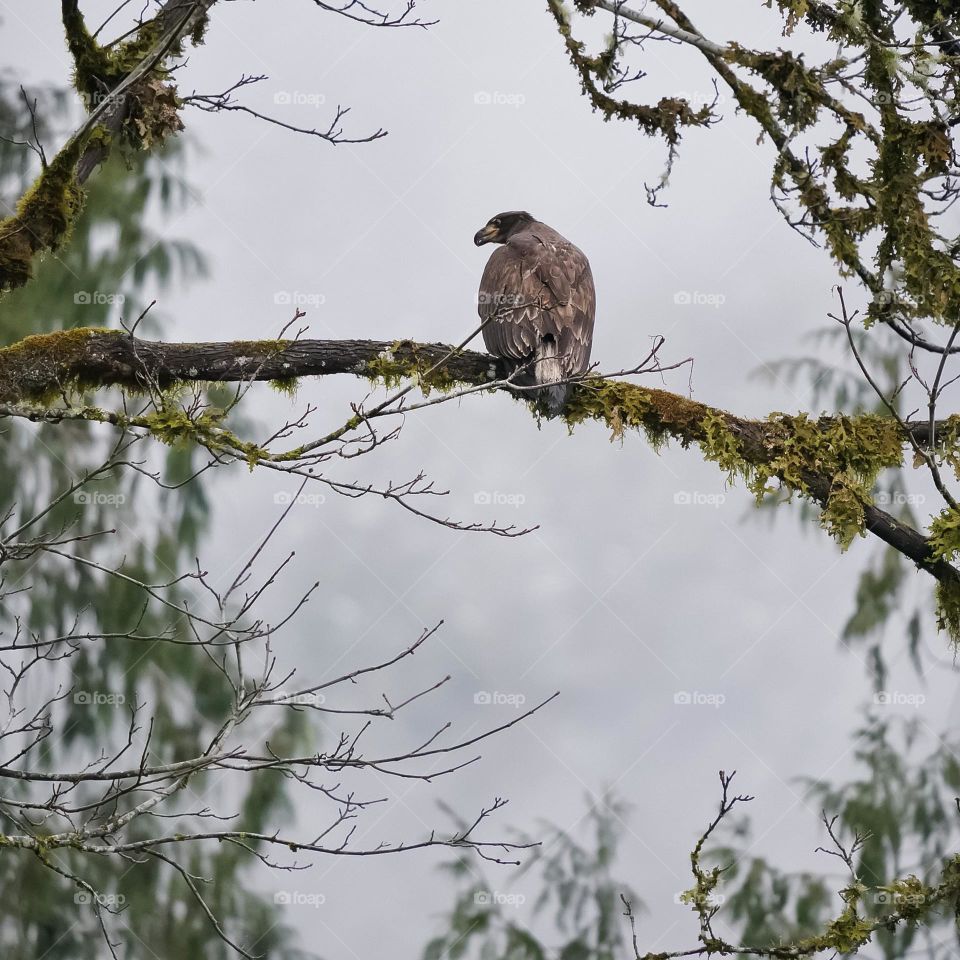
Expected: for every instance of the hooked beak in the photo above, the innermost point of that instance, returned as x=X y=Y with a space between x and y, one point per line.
x=486 y=235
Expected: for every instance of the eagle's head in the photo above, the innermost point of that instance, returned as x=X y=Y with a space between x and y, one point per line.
x=500 y=227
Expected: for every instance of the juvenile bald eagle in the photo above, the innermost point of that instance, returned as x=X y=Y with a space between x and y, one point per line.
x=538 y=303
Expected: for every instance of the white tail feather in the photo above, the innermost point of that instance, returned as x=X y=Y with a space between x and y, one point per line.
x=547 y=370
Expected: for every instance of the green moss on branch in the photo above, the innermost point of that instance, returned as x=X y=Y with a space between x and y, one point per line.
x=403 y=361
x=43 y=217
x=43 y=366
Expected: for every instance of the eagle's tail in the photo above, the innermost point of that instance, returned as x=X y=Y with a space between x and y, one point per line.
x=548 y=370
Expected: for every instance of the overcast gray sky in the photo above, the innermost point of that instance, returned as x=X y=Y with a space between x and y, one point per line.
x=624 y=596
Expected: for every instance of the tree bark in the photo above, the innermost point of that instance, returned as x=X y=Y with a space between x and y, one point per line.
x=50 y=362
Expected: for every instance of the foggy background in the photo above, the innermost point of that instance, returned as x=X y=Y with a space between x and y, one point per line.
x=648 y=578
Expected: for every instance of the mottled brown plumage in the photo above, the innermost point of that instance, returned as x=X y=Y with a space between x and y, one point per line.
x=538 y=302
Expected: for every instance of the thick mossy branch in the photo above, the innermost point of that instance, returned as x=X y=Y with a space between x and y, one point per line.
x=42 y=367
x=45 y=366
x=98 y=69
x=793 y=449
x=141 y=117
x=833 y=461
x=43 y=217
